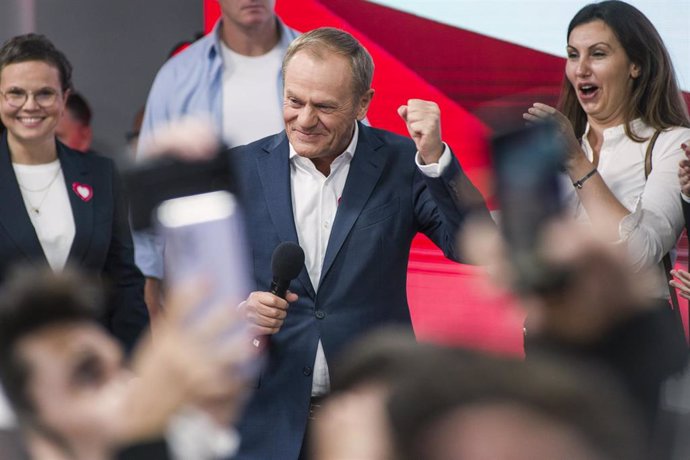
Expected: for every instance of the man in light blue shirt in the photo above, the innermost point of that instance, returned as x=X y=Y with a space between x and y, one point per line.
x=232 y=75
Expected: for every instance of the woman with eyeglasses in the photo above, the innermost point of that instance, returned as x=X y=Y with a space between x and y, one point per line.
x=57 y=206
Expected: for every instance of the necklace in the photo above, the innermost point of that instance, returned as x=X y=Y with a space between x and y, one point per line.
x=36 y=209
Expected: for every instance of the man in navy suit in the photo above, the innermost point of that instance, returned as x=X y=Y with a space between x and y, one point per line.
x=353 y=197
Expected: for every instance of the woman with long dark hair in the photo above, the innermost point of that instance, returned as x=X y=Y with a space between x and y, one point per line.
x=624 y=121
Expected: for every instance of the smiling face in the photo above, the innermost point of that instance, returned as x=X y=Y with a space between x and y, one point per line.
x=319 y=107
x=31 y=124
x=600 y=72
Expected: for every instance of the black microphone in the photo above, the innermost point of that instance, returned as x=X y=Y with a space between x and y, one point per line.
x=286 y=263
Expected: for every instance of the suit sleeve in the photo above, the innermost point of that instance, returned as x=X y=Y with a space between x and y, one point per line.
x=444 y=203
x=128 y=316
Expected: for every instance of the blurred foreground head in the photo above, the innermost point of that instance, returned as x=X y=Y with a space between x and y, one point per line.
x=596 y=287
x=396 y=399
x=65 y=379
x=354 y=423
x=475 y=407
x=57 y=364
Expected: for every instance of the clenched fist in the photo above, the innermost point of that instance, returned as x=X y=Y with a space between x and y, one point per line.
x=423 y=120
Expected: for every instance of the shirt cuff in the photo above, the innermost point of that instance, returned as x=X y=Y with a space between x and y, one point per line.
x=434 y=170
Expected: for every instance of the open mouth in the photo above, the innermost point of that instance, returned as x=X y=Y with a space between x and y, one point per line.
x=587 y=90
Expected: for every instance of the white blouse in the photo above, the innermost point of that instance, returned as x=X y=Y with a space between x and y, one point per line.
x=47 y=204
x=656 y=219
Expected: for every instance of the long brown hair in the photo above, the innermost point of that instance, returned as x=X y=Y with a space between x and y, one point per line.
x=656 y=97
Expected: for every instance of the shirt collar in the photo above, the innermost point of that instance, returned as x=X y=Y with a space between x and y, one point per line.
x=614 y=133
x=346 y=155
x=214 y=48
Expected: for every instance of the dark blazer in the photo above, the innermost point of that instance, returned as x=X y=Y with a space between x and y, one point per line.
x=102 y=242
x=385 y=203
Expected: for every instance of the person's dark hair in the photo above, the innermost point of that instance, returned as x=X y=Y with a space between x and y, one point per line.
x=36 y=47
x=30 y=300
x=656 y=97
x=381 y=357
x=592 y=406
x=79 y=108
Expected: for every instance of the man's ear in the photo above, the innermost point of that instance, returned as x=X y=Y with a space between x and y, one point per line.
x=363 y=104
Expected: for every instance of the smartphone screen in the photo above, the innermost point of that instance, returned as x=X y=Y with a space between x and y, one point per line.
x=204 y=238
x=528 y=166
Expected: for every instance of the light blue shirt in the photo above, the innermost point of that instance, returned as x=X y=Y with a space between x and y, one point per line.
x=189 y=83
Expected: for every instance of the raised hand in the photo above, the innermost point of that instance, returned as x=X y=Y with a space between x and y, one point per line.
x=541 y=112
x=423 y=120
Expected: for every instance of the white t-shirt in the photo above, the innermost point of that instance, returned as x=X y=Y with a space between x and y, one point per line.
x=252 y=107
x=47 y=203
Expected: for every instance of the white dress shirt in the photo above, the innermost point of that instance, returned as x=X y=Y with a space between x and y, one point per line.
x=315 y=199
x=656 y=217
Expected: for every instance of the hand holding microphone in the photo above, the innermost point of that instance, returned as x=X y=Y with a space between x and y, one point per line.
x=267 y=310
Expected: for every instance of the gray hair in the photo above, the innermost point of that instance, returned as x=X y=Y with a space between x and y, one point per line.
x=339 y=42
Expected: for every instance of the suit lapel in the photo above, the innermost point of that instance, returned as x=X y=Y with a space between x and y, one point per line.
x=75 y=171
x=273 y=166
x=365 y=170
x=15 y=219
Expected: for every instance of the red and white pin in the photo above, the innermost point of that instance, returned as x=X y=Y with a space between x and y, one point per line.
x=83 y=191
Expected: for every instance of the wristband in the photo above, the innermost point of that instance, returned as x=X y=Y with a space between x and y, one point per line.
x=579 y=183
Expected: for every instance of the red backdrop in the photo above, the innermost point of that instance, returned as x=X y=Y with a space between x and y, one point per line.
x=461 y=71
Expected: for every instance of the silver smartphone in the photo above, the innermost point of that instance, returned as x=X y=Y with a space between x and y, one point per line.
x=205 y=238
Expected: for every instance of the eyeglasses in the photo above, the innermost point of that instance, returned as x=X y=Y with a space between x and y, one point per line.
x=17 y=97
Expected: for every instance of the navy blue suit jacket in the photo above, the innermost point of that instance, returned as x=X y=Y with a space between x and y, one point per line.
x=102 y=242
x=385 y=203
